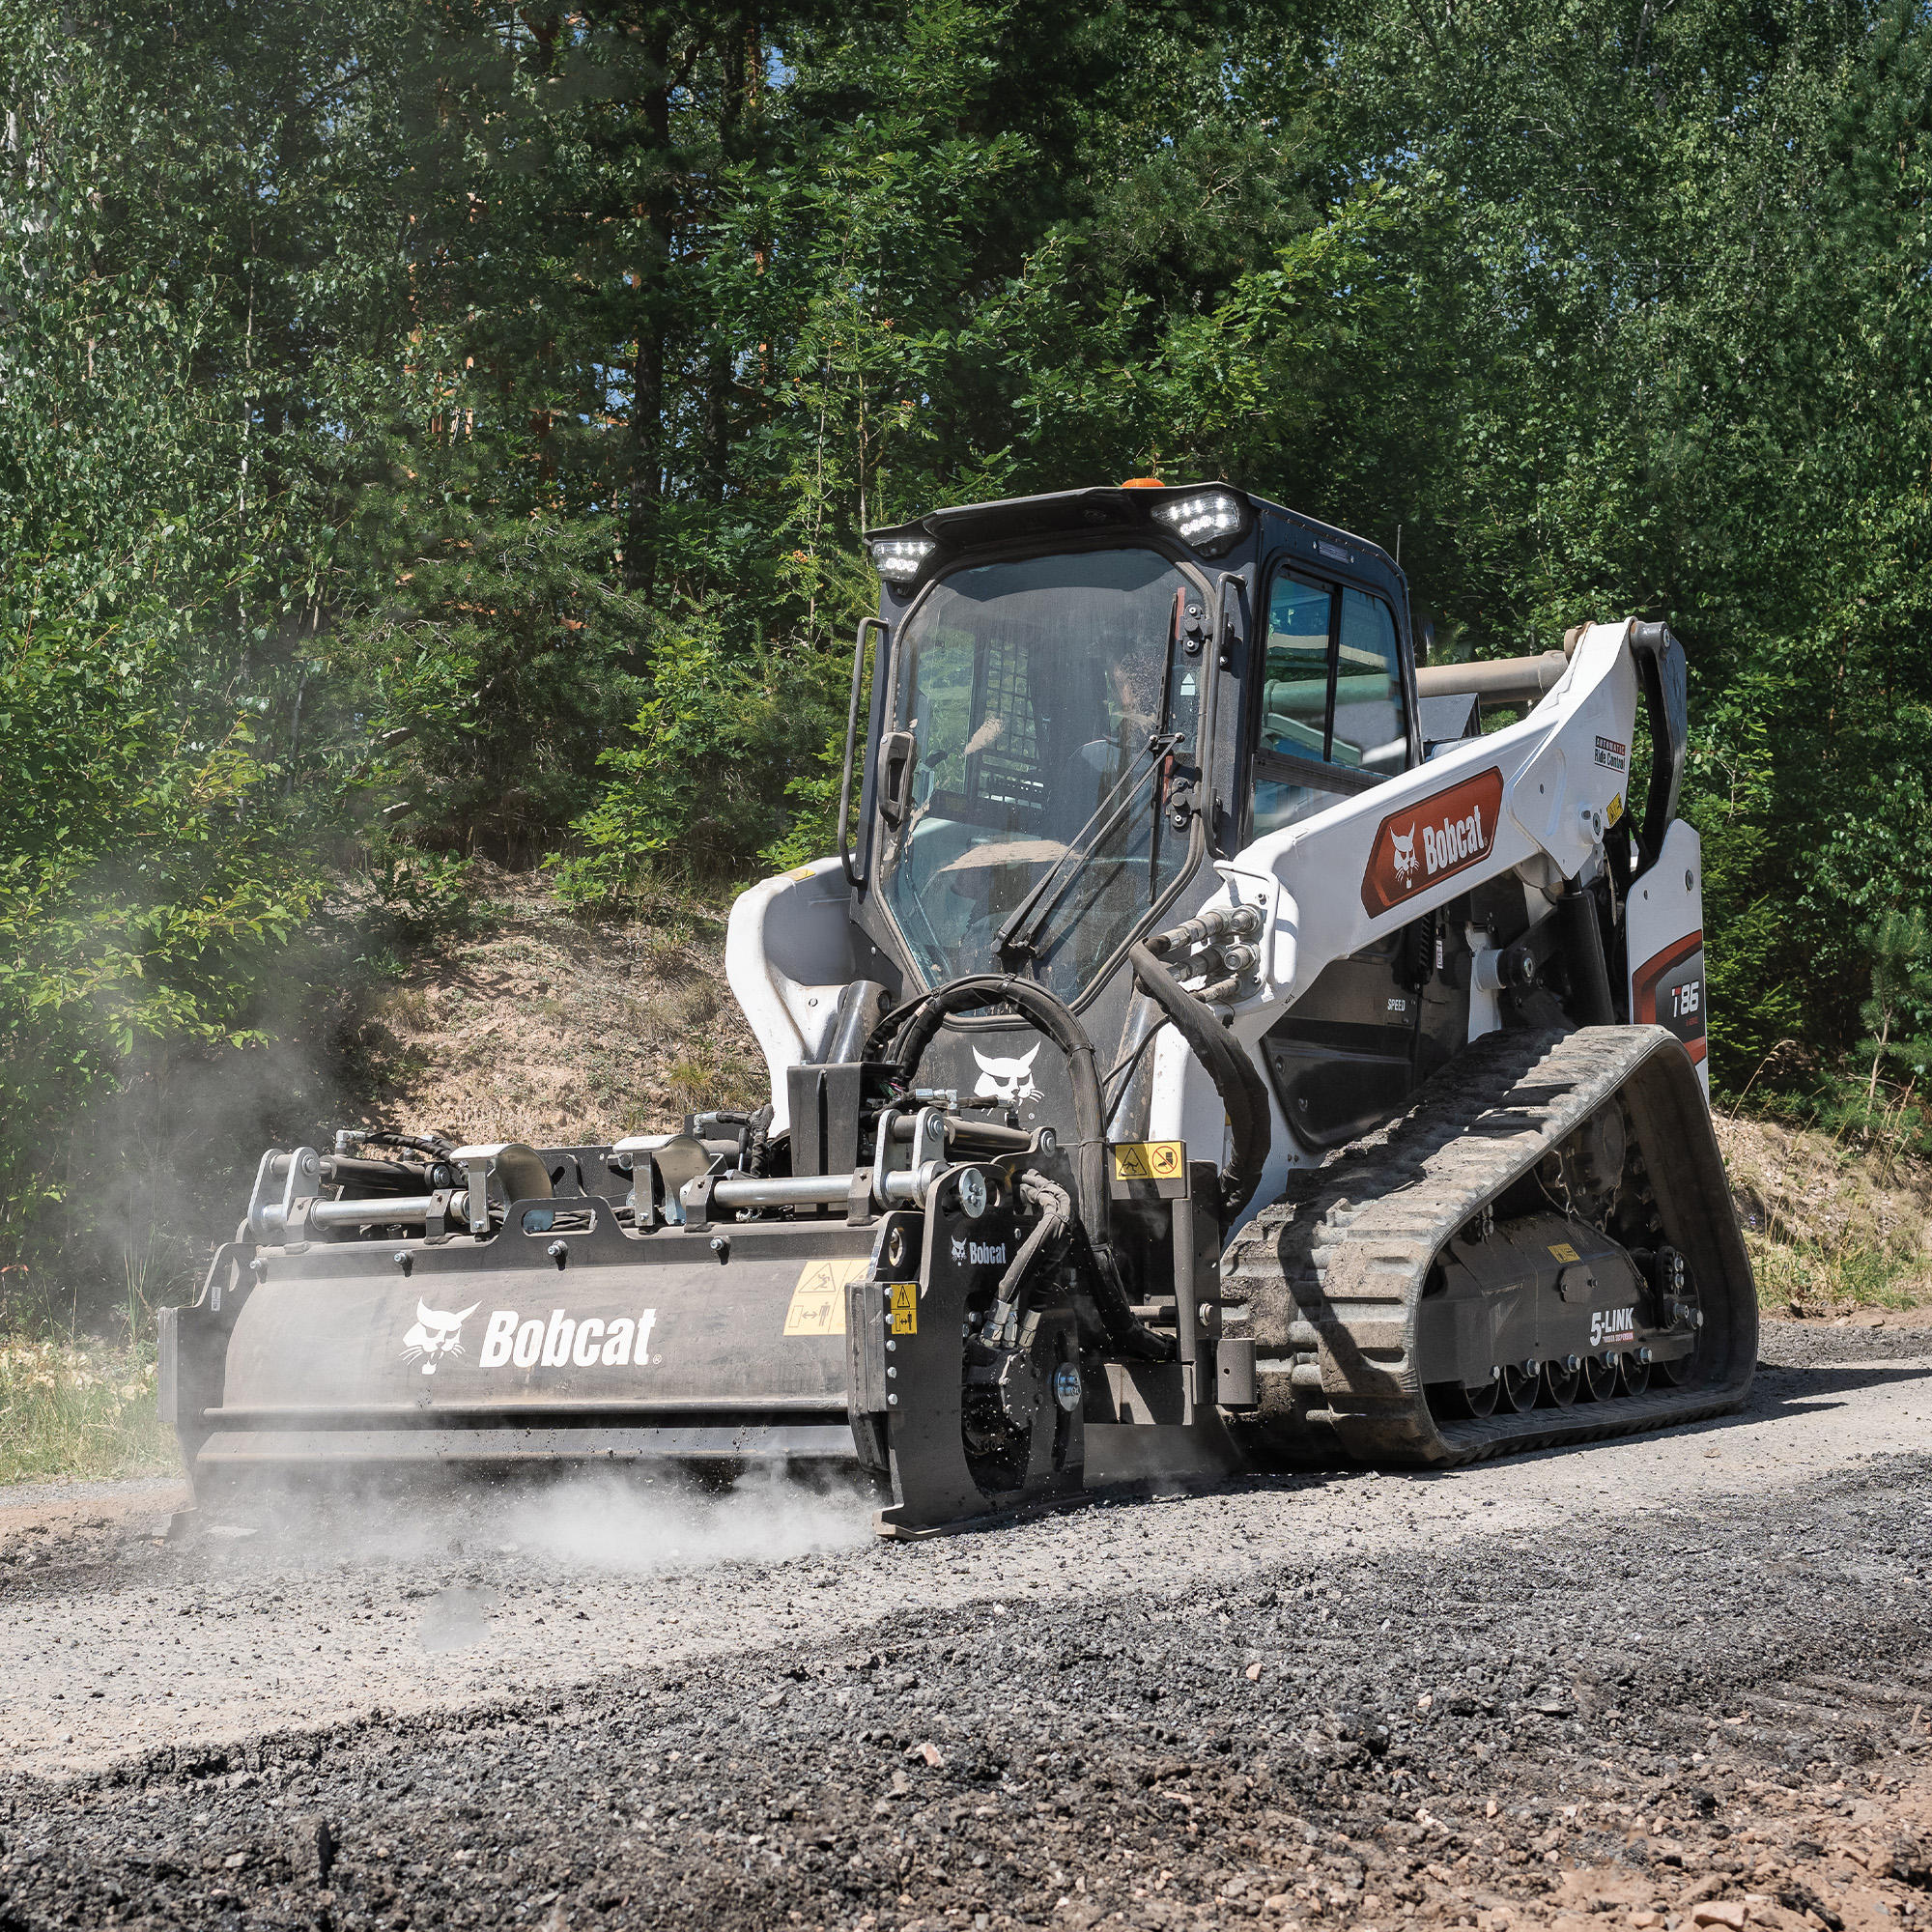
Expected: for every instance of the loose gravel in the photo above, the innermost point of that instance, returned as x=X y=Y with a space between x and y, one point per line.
x=1676 y=1676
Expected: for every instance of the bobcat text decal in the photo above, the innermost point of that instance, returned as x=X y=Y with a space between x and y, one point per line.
x=510 y=1338
x=981 y=1254
x=1426 y=841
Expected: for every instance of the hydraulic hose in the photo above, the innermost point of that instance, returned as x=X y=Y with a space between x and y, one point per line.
x=1232 y=1073
x=1092 y=1198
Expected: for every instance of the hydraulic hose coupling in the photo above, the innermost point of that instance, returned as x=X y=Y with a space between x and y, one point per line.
x=1206 y=928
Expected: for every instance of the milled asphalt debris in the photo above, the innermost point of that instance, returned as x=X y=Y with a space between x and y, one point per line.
x=1630 y=1678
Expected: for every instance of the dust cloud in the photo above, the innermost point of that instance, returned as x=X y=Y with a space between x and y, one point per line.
x=611 y=1523
x=602 y=1522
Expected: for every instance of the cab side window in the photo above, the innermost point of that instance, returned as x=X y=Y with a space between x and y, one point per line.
x=1371 y=731
x=1332 y=719
x=1294 y=686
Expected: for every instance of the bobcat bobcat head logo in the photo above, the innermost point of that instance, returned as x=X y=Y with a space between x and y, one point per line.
x=1405 y=856
x=437 y=1333
x=1008 y=1080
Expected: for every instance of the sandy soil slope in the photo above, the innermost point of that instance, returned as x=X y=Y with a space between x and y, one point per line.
x=542 y=1028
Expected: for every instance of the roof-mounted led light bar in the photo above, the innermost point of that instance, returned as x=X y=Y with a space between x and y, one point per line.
x=1209 y=517
x=1208 y=521
x=898 y=559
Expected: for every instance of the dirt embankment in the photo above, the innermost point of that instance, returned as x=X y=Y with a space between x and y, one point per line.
x=538 y=1027
x=1834 y=1231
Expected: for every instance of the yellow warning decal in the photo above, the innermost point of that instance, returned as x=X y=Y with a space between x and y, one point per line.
x=1616 y=810
x=800 y=872
x=1150 y=1160
x=905 y=1308
x=818 y=1301
x=1564 y=1252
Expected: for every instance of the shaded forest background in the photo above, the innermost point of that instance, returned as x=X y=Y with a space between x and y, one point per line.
x=433 y=429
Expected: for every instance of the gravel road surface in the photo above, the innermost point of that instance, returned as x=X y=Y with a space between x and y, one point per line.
x=1675 y=1680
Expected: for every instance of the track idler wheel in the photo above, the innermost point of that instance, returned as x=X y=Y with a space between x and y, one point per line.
x=1600 y=1377
x=1521 y=1383
x=1471 y=1404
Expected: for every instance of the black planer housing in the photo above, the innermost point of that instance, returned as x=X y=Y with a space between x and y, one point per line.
x=908 y=1286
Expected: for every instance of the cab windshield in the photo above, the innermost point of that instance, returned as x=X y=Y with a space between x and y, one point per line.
x=1033 y=690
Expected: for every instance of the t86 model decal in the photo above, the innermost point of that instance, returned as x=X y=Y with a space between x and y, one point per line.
x=1668 y=991
x=1426 y=841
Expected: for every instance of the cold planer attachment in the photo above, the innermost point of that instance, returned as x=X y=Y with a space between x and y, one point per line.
x=945 y=1310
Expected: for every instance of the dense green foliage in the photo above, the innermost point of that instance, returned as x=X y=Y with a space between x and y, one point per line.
x=430 y=427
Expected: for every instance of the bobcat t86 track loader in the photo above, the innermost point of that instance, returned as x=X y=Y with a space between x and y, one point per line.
x=1208 y=1048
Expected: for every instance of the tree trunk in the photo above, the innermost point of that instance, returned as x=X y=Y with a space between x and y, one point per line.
x=644 y=458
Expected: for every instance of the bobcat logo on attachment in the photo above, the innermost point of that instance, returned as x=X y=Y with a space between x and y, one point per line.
x=1429 y=840
x=435 y=1334
x=1006 y=1080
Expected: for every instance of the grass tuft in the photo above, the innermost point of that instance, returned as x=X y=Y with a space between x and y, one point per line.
x=1813 y=1279
x=1832 y=1227
x=79 y=1409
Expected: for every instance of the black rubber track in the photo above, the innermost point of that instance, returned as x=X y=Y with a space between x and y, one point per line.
x=1328 y=1281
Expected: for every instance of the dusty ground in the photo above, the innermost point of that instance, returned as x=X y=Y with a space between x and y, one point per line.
x=1688 y=1677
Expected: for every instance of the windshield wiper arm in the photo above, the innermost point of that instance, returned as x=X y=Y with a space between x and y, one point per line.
x=1020 y=930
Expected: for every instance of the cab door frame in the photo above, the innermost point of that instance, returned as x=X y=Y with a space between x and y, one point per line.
x=1328 y=1059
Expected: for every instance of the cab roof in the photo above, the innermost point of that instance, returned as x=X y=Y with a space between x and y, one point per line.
x=1086 y=512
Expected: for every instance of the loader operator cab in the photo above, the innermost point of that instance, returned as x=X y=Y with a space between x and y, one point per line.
x=1080 y=699
x=1028 y=697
